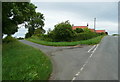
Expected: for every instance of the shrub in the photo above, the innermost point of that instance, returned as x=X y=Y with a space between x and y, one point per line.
x=86 y=30
x=39 y=31
x=78 y=30
x=27 y=35
x=8 y=39
x=46 y=37
x=85 y=36
x=102 y=33
x=115 y=35
x=62 y=32
x=20 y=38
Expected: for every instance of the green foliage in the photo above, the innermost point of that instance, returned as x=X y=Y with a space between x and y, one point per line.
x=23 y=62
x=62 y=32
x=106 y=33
x=36 y=22
x=78 y=30
x=46 y=37
x=86 y=30
x=92 y=41
x=8 y=39
x=39 y=32
x=20 y=38
x=27 y=35
x=85 y=36
x=14 y=13
x=116 y=35
x=102 y=33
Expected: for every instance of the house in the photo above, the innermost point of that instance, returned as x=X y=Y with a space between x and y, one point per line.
x=100 y=31
x=74 y=27
x=83 y=27
x=93 y=30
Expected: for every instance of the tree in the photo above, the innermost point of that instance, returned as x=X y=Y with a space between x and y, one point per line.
x=37 y=21
x=39 y=31
x=63 y=32
x=15 y=13
x=106 y=33
x=78 y=30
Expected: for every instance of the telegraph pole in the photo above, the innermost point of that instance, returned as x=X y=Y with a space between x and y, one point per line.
x=94 y=24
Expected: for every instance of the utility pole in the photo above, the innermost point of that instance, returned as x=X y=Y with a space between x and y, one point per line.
x=94 y=24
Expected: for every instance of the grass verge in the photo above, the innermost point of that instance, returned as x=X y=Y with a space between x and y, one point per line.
x=23 y=62
x=92 y=41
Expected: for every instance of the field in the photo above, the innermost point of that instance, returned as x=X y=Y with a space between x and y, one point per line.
x=92 y=41
x=23 y=62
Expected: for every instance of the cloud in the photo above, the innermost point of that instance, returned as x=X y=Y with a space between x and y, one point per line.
x=21 y=32
x=102 y=10
x=79 y=13
x=74 y=0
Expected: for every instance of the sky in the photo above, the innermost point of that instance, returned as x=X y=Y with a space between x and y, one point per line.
x=79 y=14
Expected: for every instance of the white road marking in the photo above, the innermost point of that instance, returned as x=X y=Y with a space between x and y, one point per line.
x=91 y=48
x=91 y=55
x=95 y=48
x=81 y=69
x=86 y=61
x=84 y=65
x=73 y=78
x=77 y=74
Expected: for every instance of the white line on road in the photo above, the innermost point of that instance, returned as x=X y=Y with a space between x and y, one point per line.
x=73 y=78
x=95 y=48
x=91 y=48
x=86 y=61
x=81 y=69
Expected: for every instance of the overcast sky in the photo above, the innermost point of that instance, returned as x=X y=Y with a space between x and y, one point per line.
x=79 y=14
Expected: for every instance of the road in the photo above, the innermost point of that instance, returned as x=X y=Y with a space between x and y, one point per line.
x=103 y=65
x=68 y=61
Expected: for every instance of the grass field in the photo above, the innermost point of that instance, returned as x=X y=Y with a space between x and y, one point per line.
x=23 y=62
x=92 y=41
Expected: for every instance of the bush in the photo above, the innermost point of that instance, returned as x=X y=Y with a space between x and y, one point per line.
x=115 y=35
x=85 y=36
x=62 y=32
x=39 y=31
x=86 y=30
x=46 y=37
x=20 y=38
x=102 y=33
x=27 y=35
x=78 y=30
x=8 y=39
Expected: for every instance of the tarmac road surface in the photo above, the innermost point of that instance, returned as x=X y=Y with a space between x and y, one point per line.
x=98 y=62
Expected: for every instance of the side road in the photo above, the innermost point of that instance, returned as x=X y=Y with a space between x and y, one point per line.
x=98 y=62
x=66 y=60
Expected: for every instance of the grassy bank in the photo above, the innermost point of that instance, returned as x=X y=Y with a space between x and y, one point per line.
x=23 y=62
x=92 y=41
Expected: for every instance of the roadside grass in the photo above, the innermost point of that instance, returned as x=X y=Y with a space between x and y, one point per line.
x=23 y=62
x=92 y=41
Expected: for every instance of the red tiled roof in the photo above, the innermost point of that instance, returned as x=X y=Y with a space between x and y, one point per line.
x=74 y=27
x=99 y=31
x=92 y=30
